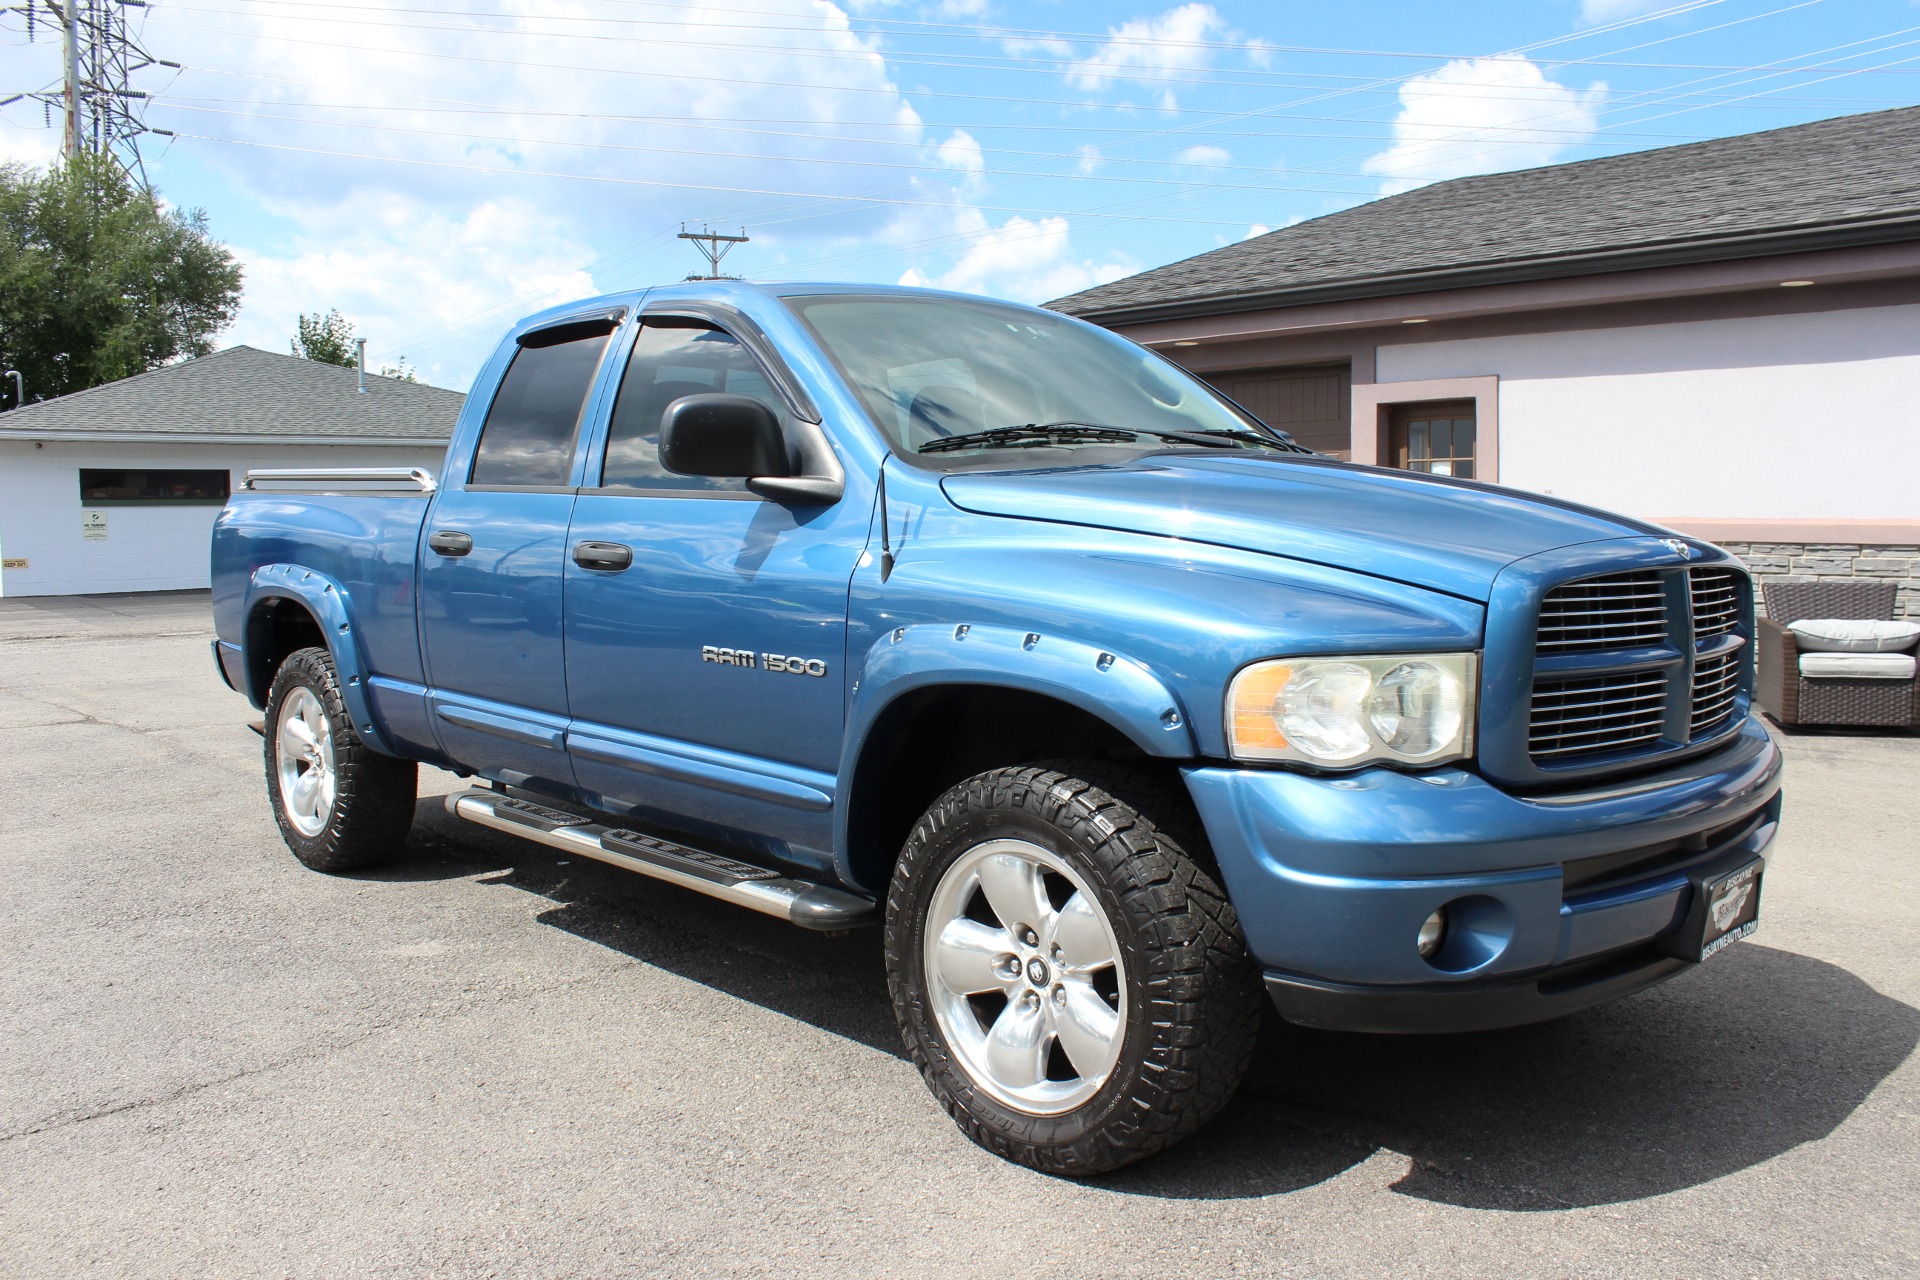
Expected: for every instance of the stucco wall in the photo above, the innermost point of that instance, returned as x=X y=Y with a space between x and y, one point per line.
x=147 y=548
x=1809 y=416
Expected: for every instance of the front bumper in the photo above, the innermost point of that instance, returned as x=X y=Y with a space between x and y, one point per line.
x=1571 y=898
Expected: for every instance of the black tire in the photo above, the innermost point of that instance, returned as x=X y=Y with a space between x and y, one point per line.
x=1193 y=998
x=373 y=794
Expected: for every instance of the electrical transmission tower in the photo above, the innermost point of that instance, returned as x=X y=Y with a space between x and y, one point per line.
x=100 y=109
x=713 y=247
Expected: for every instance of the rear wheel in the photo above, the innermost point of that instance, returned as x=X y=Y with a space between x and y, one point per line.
x=1070 y=981
x=339 y=804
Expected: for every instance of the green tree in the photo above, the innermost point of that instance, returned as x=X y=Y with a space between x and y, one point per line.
x=327 y=338
x=402 y=372
x=99 y=280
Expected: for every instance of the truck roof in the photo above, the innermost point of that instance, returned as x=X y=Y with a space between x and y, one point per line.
x=726 y=290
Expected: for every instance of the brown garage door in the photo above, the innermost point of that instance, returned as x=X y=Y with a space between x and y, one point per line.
x=1309 y=402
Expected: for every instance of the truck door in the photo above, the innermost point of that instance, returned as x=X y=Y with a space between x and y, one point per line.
x=706 y=626
x=491 y=589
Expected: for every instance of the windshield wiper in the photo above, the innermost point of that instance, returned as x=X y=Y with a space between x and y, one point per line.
x=1251 y=437
x=1043 y=433
x=1032 y=433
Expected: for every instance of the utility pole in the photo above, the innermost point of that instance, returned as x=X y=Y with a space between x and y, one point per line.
x=99 y=55
x=713 y=246
x=70 y=89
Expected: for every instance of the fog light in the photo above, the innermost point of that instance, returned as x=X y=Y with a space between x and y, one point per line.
x=1433 y=935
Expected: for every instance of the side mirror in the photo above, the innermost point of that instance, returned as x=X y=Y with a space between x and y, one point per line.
x=715 y=434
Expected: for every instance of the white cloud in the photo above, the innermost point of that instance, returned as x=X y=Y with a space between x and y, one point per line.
x=1145 y=50
x=1050 y=46
x=942 y=9
x=23 y=141
x=1594 y=12
x=1025 y=260
x=960 y=151
x=398 y=268
x=1482 y=115
x=1257 y=229
x=1206 y=155
x=1090 y=159
x=436 y=232
x=409 y=229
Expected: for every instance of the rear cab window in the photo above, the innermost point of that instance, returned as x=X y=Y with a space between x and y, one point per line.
x=529 y=436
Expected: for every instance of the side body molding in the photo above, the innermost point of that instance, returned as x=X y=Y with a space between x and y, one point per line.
x=1107 y=685
x=328 y=602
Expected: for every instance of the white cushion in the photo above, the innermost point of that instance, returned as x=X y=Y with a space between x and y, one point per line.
x=1853 y=635
x=1858 y=666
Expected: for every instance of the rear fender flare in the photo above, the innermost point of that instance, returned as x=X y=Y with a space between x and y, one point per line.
x=332 y=609
x=1105 y=684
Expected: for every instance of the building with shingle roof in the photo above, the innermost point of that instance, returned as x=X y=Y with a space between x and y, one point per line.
x=1722 y=336
x=115 y=488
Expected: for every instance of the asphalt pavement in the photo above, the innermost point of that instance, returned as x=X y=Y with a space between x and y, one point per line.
x=491 y=1060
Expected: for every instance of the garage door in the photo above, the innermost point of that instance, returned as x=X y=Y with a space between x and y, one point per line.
x=1310 y=402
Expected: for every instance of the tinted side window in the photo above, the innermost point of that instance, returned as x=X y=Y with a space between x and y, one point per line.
x=671 y=359
x=528 y=436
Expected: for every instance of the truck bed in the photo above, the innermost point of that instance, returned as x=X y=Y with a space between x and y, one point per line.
x=359 y=527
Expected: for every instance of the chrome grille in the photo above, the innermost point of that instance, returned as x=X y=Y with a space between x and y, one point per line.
x=1716 y=682
x=1591 y=714
x=1618 y=611
x=1716 y=601
x=1632 y=665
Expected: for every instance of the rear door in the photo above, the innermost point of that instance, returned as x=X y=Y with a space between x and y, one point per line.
x=706 y=670
x=493 y=566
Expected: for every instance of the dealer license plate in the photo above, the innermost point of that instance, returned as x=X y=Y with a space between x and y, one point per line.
x=1733 y=908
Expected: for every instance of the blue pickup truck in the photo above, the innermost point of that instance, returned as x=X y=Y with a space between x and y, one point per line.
x=1119 y=712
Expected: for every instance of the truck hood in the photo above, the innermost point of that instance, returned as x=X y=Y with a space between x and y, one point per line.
x=1445 y=535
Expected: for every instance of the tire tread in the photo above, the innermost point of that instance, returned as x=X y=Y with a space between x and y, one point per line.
x=1204 y=995
x=374 y=794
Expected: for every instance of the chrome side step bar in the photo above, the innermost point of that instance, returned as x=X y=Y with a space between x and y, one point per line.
x=811 y=906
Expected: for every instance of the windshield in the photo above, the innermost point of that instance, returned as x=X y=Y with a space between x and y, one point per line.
x=948 y=380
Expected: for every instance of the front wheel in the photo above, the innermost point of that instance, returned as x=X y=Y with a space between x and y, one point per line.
x=1070 y=981
x=340 y=805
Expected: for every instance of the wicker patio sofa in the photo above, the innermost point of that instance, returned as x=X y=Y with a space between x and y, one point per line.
x=1793 y=699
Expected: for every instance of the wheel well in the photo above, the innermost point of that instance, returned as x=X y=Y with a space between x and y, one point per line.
x=932 y=738
x=277 y=629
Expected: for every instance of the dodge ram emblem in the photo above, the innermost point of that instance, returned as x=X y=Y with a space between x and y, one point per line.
x=1678 y=548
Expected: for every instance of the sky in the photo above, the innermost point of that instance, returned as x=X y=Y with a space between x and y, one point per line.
x=434 y=169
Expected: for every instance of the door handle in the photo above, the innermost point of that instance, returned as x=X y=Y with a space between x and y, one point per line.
x=611 y=557
x=450 y=542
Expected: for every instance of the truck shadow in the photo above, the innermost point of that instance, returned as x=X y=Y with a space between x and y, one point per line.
x=1721 y=1069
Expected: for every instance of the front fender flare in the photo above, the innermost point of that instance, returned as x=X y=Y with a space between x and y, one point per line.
x=1106 y=685
x=332 y=608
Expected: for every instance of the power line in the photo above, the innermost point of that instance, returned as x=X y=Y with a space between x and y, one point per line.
x=641 y=182
x=959 y=31
x=100 y=109
x=1017 y=64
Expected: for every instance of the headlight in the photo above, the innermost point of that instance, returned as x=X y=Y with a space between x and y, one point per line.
x=1410 y=708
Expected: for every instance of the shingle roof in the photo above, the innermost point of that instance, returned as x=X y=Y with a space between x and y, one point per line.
x=1854 y=179
x=245 y=392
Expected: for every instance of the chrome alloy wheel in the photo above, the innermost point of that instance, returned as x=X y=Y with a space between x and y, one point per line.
x=303 y=762
x=1025 y=977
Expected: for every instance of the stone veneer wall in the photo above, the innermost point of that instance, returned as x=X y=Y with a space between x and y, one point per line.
x=1836 y=562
